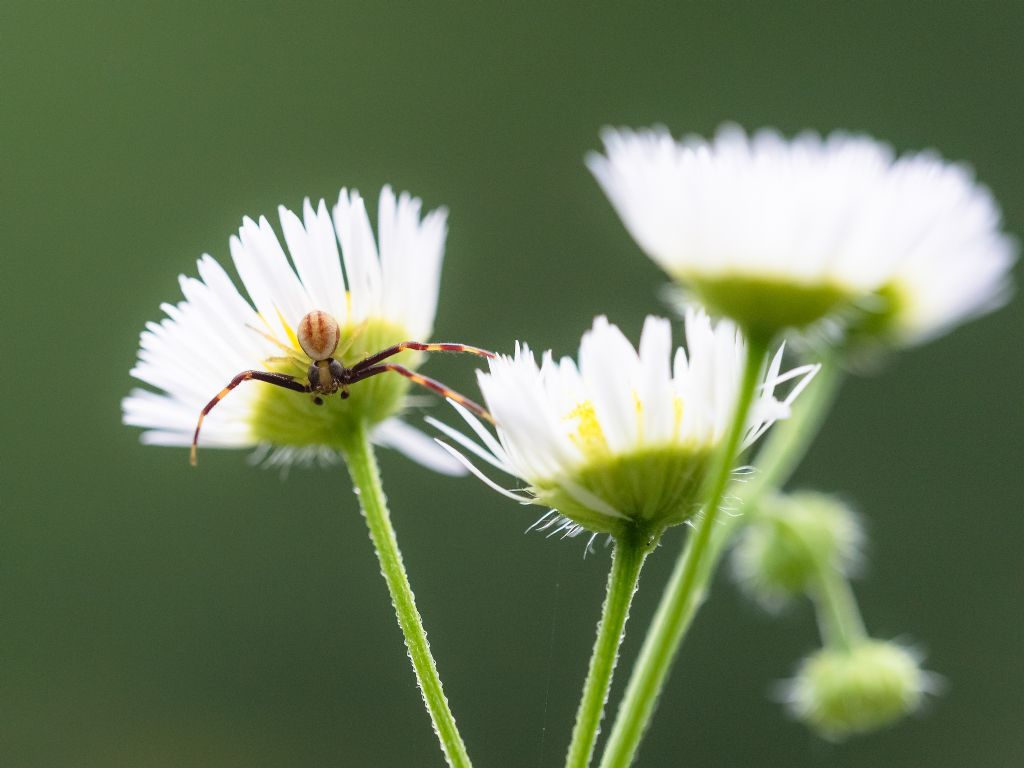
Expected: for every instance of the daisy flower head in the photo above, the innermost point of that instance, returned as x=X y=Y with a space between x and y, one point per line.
x=624 y=438
x=781 y=233
x=370 y=293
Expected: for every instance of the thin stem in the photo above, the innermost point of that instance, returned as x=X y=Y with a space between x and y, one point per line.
x=839 y=619
x=362 y=466
x=628 y=559
x=684 y=591
x=780 y=454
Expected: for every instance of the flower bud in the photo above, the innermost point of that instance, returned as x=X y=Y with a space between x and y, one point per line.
x=788 y=540
x=839 y=693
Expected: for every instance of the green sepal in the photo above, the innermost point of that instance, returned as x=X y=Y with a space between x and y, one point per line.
x=654 y=488
x=766 y=306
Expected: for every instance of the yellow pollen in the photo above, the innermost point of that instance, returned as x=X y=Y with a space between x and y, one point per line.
x=638 y=406
x=588 y=436
x=677 y=415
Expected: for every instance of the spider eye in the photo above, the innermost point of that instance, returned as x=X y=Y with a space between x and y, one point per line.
x=318 y=334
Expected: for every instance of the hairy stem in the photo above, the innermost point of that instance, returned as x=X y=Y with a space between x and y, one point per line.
x=781 y=453
x=362 y=466
x=628 y=559
x=684 y=591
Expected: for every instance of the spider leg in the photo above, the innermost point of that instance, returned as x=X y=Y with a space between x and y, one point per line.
x=277 y=379
x=393 y=350
x=423 y=381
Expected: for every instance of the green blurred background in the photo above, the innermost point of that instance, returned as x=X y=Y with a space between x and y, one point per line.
x=155 y=615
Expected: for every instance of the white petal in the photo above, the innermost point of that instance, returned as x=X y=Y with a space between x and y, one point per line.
x=359 y=252
x=469 y=445
x=395 y=433
x=314 y=251
x=482 y=477
x=268 y=277
x=655 y=380
x=608 y=365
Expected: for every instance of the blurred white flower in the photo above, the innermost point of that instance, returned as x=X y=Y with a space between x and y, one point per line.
x=625 y=437
x=379 y=292
x=779 y=233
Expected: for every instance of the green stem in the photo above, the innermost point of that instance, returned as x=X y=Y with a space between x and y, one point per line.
x=681 y=596
x=780 y=454
x=362 y=466
x=628 y=559
x=839 y=619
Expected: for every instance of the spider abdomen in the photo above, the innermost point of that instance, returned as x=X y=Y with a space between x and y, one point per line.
x=318 y=335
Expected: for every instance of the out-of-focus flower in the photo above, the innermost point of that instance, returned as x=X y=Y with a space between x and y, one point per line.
x=779 y=233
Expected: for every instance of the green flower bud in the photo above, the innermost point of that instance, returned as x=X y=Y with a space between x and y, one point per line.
x=839 y=693
x=789 y=540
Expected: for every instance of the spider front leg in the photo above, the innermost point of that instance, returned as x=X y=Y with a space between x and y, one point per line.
x=391 y=351
x=277 y=379
x=423 y=381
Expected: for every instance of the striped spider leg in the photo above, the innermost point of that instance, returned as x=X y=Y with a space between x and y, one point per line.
x=319 y=336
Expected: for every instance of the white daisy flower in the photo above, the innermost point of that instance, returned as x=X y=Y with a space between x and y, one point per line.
x=624 y=438
x=780 y=233
x=374 y=294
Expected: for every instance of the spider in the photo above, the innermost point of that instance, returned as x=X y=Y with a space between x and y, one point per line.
x=319 y=335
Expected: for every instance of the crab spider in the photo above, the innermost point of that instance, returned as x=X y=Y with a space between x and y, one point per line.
x=319 y=335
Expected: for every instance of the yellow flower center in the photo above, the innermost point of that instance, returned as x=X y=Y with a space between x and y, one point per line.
x=588 y=437
x=652 y=485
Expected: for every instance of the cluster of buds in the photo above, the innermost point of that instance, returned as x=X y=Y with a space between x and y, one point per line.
x=810 y=543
